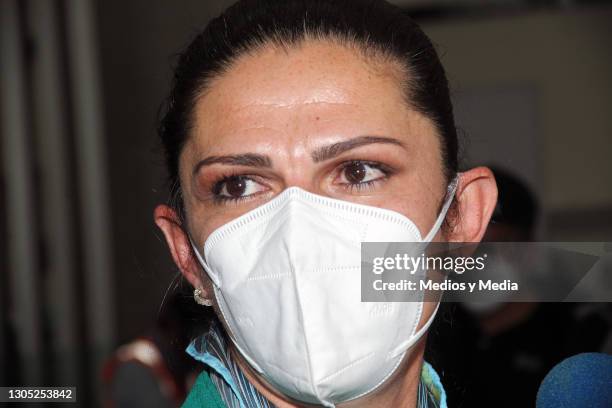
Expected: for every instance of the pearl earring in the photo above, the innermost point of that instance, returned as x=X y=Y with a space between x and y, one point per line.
x=199 y=299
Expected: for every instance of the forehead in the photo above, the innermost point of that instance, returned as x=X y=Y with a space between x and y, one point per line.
x=316 y=84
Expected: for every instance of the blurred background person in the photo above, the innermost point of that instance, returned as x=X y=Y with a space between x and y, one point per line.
x=154 y=370
x=518 y=341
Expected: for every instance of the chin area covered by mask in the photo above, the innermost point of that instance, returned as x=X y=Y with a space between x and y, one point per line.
x=287 y=280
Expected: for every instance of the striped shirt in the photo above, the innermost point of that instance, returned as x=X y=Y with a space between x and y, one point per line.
x=237 y=392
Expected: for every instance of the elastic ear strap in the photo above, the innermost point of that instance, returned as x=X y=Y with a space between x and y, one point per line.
x=212 y=276
x=450 y=195
x=416 y=337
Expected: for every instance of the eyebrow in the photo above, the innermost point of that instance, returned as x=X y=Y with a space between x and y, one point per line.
x=246 y=159
x=333 y=150
x=321 y=154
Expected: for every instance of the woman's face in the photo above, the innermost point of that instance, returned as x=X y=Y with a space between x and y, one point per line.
x=324 y=118
x=320 y=117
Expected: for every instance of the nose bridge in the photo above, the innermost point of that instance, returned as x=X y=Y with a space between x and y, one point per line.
x=295 y=163
x=301 y=181
x=297 y=223
x=300 y=173
x=298 y=216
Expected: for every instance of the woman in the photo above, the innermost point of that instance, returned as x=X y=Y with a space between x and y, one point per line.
x=294 y=131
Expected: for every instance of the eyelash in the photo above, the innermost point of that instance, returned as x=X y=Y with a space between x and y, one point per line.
x=364 y=185
x=218 y=186
x=350 y=187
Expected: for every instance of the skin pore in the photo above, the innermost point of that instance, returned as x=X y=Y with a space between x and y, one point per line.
x=325 y=118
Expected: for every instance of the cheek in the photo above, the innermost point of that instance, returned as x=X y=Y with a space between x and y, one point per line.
x=203 y=221
x=418 y=205
x=417 y=193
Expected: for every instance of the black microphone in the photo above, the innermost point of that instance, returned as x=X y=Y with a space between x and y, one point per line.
x=583 y=380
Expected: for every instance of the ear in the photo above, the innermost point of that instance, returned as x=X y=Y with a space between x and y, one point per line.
x=476 y=197
x=170 y=224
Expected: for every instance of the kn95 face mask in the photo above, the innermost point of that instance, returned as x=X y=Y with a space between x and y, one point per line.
x=287 y=281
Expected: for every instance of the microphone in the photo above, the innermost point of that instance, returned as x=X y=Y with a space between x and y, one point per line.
x=583 y=380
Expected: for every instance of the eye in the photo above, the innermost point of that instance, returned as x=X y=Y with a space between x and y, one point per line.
x=236 y=187
x=359 y=172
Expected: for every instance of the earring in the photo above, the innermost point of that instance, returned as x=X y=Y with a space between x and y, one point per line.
x=199 y=299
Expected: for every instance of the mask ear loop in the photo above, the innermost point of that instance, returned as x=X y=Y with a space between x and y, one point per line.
x=448 y=200
x=450 y=195
x=203 y=264
x=416 y=337
x=217 y=284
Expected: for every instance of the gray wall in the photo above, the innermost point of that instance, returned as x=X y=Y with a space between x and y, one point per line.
x=533 y=92
x=138 y=40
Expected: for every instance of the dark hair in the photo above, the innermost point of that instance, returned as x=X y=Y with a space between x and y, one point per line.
x=373 y=26
x=516 y=205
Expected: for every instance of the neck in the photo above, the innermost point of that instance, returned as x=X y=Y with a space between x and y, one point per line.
x=398 y=391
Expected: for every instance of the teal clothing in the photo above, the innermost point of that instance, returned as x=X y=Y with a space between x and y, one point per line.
x=204 y=394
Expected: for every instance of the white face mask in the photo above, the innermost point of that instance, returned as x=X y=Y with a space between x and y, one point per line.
x=287 y=280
